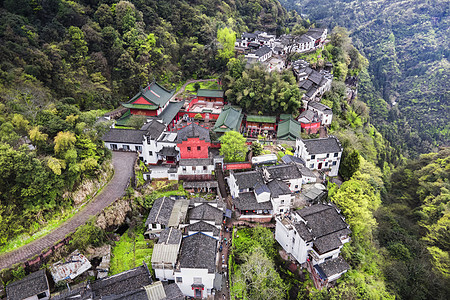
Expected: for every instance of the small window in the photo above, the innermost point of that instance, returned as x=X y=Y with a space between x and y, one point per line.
x=281 y=210
x=199 y=148
x=328 y=155
x=188 y=148
x=326 y=164
x=184 y=169
x=126 y=147
x=150 y=153
x=179 y=279
x=293 y=240
x=113 y=147
x=197 y=280
x=334 y=163
x=204 y=168
x=313 y=156
x=336 y=154
x=282 y=201
x=311 y=166
x=42 y=295
x=154 y=226
x=296 y=186
x=138 y=148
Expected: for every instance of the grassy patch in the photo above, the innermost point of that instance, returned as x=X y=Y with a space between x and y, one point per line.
x=212 y=85
x=130 y=252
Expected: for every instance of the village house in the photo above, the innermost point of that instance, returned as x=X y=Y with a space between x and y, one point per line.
x=324 y=112
x=310 y=121
x=32 y=287
x=290 y=174
x=315 y=235
x=196 y=267
x=165 y=253
x=250 y=209
x=132 y=284
x=244 y=182
x=281 y=196
x=208 y=213
x=307 y=175
x=261 y=54
x=197 y=162
x=166 y=212
x=320 y=154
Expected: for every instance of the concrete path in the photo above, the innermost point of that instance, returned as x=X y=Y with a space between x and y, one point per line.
x=123 y=169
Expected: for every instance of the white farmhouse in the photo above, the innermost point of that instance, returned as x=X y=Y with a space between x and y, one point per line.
x=196 y=268
x=244 y=182
x=165 y=253
x=320 y=154
x=290 y=174
x=281 y=196
x=166 y=212
x=315 y=235
x=325 y=113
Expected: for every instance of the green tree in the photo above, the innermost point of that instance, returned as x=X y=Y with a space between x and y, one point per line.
x=350 y=164
x=78 y=42
x=64 y=141
x=226 y=38
x=233 y=146
x=257 y=148
x=136 y=121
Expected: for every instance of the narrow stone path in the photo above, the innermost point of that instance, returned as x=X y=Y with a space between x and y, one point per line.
x=189 y=82
x=123 y=169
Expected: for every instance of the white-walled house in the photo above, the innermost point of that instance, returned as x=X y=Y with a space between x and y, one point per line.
x=166 y=212
x=315 y=235
x=244 y=182
x=320 y=154
x=165 y=253
x=325 y=113
x=281 y=196
x=290 y=174
x=261 y=54
x=196 y=268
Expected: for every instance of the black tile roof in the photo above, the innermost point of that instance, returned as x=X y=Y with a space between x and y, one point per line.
x=206 y=212
x=304 y=231
x=138 y=294
x=262 y=51
x=202 y=226
x=124 y=282
x=287 y=159
x=278 y=188
x=248 y=180
x=31 y=285
x=261 y=188
x=170 y=236
x=193 y=131
x=173 y=292
x=284 y=172
x=168 y=151
x=326 y=225
x=247 y=201
x=319 y=106
x=334 y=266
x=198 y=251
x=127 y=136
x=195 y=162
x=153 y=129
x=324 y=145
x=161 y=211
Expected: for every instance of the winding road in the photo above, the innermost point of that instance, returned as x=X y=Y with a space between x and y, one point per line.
x=123 y=169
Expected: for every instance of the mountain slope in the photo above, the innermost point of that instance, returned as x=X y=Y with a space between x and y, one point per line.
x=406 y=43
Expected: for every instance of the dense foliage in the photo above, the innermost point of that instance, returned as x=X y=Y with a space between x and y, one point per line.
x=406 y=43
x=258 y=91
x=45 y=149
x=100 y=52
x=233 y=146
x=414 y=228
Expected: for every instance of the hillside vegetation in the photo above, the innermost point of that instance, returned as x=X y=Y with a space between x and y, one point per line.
x=406 y=43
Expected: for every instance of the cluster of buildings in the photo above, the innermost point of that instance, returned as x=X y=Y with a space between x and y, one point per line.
x=136 y=283
x=260 y=46
x=187 y=251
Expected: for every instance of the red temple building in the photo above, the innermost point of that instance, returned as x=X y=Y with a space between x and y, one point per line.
x=150 y=101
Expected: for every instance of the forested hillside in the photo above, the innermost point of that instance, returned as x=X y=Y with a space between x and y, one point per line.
x=406 y=43
x=96 y=53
